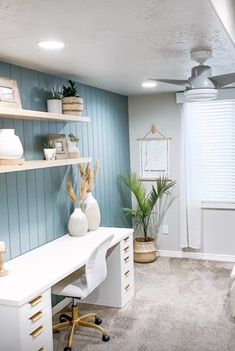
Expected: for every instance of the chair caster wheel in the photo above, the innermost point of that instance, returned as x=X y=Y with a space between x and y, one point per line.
x=98 y=320
x=105 y=338
x=67 y=349
x=62 y=320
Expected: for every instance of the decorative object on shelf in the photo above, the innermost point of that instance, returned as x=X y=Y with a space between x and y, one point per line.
x=89 y=204
x=72 y=104
x=78 y=225
x=54 y=100
x=148 y=214
x=154 y=155
x=3 y=272
x=9 y=93
x=11 y=149
x=61 y=145
x=72 y=146
x=49 y=151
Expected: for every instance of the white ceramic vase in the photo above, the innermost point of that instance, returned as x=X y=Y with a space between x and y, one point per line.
x=49 y=154
x=10 y=145
x=54 y=105
x=92 y=211
x=78 y=225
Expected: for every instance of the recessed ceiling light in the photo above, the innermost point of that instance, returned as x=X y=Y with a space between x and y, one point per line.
x=149 y=84
x=51 y=45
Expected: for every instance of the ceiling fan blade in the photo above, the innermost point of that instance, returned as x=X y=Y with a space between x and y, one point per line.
x=171 y=81
x=223 y=79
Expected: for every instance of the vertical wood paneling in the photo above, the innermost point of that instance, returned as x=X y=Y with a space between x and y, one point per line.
x=34 y=206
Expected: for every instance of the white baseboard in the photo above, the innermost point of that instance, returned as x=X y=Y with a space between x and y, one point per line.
x=197 y=255
x=59 y=306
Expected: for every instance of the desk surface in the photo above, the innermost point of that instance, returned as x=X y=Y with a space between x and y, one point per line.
x=37 y=270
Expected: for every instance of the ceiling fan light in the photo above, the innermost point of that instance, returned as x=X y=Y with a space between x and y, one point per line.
x=201 y=94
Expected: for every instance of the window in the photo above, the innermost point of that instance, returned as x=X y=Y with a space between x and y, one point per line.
x=217 y=148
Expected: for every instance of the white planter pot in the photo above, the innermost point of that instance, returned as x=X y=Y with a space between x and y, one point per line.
x=91 y=209
x=78 y=225
x=54 y=106
x=10 y=145
x=49 y=154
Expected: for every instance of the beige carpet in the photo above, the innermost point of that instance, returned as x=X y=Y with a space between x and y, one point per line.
x=179 y=305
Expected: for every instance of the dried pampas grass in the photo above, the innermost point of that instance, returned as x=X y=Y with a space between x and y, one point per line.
x=89 y=175
x=72 y=195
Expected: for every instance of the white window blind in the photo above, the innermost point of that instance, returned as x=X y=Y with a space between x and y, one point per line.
x=217 y=148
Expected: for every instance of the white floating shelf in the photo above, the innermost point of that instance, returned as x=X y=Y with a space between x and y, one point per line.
x=37 y=164
x=15 y=113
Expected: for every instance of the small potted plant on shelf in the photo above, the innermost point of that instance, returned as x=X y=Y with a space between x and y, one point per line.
x=149 y=211
x=54 y=100
x=72 y=146
x=72 y=104
x=49 y=150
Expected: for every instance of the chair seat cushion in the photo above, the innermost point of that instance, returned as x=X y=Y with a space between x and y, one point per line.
x=73 y=285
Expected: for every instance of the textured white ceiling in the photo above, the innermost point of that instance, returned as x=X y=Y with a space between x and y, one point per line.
x=114 y=44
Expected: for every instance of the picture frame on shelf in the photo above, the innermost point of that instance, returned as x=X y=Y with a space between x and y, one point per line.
x=61 y=145
x=9 y=93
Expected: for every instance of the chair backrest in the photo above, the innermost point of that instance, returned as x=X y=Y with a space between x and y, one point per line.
x=96 y=267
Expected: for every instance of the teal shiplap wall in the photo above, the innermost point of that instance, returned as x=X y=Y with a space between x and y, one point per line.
x=34 y=207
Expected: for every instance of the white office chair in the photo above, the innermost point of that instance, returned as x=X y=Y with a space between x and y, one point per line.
x=77 y=286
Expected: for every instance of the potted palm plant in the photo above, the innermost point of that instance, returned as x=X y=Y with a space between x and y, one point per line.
x=148 y=205
x=72 y=104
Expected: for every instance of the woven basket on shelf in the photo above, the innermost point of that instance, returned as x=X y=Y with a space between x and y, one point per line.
x=72 y=105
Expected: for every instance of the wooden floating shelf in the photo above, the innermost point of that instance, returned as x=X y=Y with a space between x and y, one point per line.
x=15 y=113
x=37 y=164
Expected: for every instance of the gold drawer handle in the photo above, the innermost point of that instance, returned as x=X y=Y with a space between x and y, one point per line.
x=36 y=316
x=37 y=332
x=41 y=349
x=35 y=301
x=127 y=273
x=127 y=259
x=127 y=287
x=126 y=249
x=126 y=239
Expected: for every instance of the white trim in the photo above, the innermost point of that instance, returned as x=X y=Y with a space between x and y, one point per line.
x=218 y=205
x=197 y=255
x=59 y=306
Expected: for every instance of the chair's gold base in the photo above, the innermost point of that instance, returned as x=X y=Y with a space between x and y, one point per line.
x=74 y=321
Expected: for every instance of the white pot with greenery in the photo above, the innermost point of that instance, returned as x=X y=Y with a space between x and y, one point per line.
x=156 y=202
x=72 y=103
x=49 y=151
x=73 y=146
x=54 y=101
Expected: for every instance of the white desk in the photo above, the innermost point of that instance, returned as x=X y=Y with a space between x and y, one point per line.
x=25 y=294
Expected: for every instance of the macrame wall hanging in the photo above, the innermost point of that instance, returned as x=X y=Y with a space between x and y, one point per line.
x=154 y=155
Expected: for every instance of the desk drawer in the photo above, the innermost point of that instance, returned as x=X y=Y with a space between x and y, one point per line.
x=36 y=304
x=39 y=338
x=30 y=324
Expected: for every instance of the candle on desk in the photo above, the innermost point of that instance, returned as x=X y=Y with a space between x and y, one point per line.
x=2 y=246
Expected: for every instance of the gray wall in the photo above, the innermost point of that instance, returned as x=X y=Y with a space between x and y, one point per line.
x=162 y=110
x=34 y=207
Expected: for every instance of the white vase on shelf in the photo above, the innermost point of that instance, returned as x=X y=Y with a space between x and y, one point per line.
x=92 y=211
x=78 y=225
x=10 y=145
x=54 y=106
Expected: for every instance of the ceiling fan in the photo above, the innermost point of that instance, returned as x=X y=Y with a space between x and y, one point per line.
x=201 y=86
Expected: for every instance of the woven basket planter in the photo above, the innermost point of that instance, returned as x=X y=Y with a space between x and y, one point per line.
x=72 y=105
x=145 y=251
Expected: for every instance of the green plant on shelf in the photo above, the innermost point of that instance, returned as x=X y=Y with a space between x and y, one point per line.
x=54 y=93
x=73 y=138
x=50 y=145
x=71 y=89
